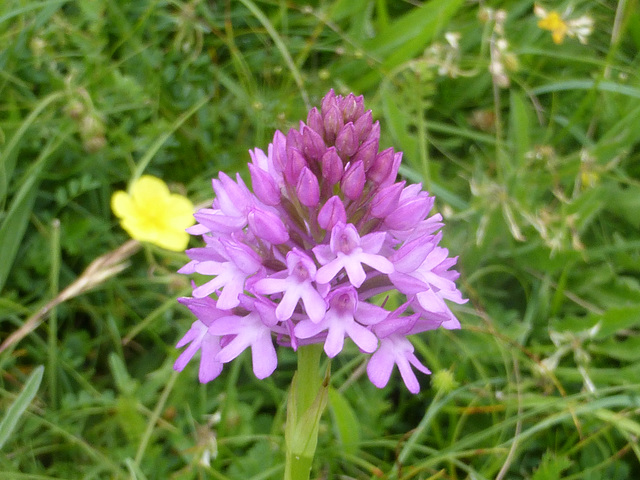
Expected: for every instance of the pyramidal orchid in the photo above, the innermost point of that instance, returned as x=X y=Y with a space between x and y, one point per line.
x=307 y=255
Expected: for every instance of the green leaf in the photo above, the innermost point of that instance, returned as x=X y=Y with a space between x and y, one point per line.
x=15 y=221
x=624 y=203
x=405 y=37
x=12 y=230
x=616 y=319
x=520 y=128
x=625 y=350
x=551 y=467
x=20 y=404
x=345 y=421
x=126 y=385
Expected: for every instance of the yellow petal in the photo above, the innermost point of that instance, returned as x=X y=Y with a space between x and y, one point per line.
x=558 y=36
x=121 y=204
x=149 y=191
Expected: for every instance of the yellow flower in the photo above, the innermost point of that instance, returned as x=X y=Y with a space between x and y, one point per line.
x=560 y=27
x=151 y=213
x=554 y=23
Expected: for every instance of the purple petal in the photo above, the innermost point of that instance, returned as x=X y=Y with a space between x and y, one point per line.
x=407 y=374
x=268 y=286
x=327 y=272
x=376 y=261
x=354 y=269
x=264 y=357
x=209 y=367
x=289 y=301
x=380 y=366
x=372 y=243
x=334 y=342
x=314 y=304
x=362 y=337
x=308 y=329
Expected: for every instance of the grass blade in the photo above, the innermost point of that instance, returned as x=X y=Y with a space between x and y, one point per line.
x=20 y=404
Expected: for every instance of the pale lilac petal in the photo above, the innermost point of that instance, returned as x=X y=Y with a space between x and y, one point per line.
x=372 y=243
x=362 y=337
x=417 y=364
x=308 y=329
x=380 y=366
x=327 y=272
x=197 y=331
x=324 y=254
x=314 y=304
x=412 y=254
x=212 y=268
x=431 y=302
x=264 y=357
x=208 y=288
x=407 y=284
x=228 y=298
x=227 y=325
x=197 y=229
x=243 y=257
x=289 y=301
x=354 y=269
x=209 y=367
x=407 y=374
x=217 y=221
x=334 y=342
x=376 y=261
x=268 y=286
x=234 y=348
x=369 y=314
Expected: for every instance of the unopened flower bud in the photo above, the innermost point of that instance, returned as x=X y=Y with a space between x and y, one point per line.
x=333 y=122
x=267 y=225
x=367 y=153
x=352 y=107
x=329 y=101
x=279 y=151
x=393 y=173
x=363 y=125
x=353 y=181
x=331 y=213
x=307 y=188
x=315 y=121
x=294 y=140
x=386 y=200
x=375 y=131
x=409 y=212
x=264 y=186
x=313 y=144
x=347 y=141
x=295 y=163
x=381 y=166
x=332 y=167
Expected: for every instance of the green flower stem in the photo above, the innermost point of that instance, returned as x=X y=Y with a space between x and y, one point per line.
x=307 y=400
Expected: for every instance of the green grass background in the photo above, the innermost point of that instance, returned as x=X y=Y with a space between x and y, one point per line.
x=538 y=181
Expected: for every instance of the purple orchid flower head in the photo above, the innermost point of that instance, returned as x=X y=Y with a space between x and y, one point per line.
x=303 y=256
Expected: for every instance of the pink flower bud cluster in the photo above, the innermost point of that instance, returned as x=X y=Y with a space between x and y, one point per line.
x=308 y=255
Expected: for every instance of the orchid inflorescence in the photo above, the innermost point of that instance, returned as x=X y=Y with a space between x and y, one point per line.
x=309 y=255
